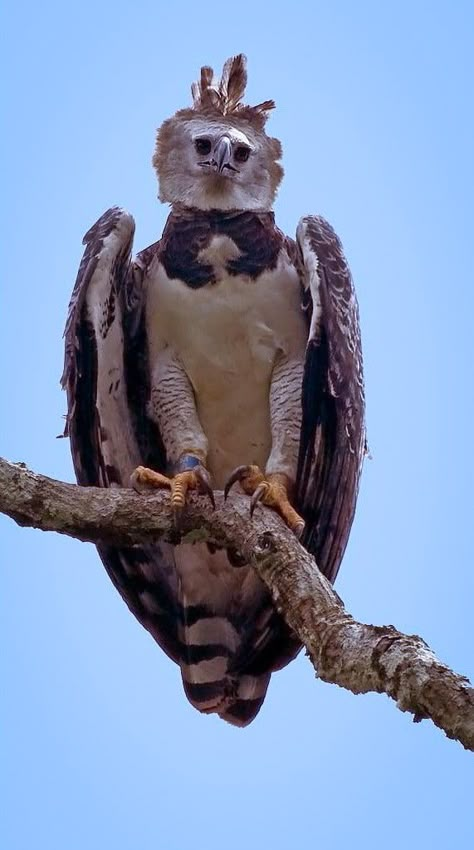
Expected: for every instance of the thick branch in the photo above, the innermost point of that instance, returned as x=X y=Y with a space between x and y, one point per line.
x=353 y=655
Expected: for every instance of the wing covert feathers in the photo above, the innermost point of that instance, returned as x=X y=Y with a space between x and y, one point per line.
x=332 y=444
x=109 y=238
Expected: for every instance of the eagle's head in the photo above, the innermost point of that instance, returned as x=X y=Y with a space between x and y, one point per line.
x=216 y=155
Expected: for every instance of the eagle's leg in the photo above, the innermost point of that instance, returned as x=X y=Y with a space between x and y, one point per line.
x=271 y=490
x=172 y=406
x=274 y=487
x=190 y=475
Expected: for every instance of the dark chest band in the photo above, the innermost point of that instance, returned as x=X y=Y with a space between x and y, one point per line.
x=188 y=232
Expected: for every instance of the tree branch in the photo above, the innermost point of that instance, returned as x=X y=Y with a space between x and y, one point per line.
x=343 y=651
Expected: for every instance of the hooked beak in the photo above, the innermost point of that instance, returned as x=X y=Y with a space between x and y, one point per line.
x=222 y=156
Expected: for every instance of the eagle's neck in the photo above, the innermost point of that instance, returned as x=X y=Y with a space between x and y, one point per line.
x=189 y=233
x=215 y=214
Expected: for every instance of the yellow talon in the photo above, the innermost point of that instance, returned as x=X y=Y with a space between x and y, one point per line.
x=270 y=490
x=192 y=479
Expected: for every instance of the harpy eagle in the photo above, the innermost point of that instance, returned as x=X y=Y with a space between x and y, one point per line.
x=224 y=352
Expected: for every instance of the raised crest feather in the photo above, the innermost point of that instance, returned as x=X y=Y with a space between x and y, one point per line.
x=225 y=96
x=233 y=82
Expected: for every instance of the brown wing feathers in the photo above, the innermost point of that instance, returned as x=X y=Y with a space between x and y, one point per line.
x=333 y=432
x=142 y=572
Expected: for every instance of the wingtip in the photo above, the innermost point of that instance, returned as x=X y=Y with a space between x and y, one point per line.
x=115 y=218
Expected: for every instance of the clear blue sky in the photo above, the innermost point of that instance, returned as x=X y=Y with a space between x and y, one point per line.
x=374 y=102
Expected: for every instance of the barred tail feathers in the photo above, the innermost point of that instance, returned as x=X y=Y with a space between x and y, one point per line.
x=221 y=605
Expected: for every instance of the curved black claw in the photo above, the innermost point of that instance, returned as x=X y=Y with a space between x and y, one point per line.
x=237 y=475
x=299 y=530
x=205 y=484
x=257 y=496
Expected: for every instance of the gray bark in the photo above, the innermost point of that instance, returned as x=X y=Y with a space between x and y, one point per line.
x=344 y=652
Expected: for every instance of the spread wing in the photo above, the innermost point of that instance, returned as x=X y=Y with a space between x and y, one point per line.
x=107 y=380
x=332 y=445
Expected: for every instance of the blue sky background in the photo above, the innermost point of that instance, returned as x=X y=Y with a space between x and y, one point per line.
x=100 y=747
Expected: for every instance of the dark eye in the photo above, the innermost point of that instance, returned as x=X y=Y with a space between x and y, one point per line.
x=203 y=146
x=242 y=153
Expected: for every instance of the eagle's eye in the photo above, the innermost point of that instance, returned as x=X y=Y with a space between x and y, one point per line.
x=242 y=153
x=203 y=146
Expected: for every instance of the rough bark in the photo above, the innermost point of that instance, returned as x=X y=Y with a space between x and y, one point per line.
x=354 y=655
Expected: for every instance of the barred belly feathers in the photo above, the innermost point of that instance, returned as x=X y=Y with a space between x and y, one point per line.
x=225 y=352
